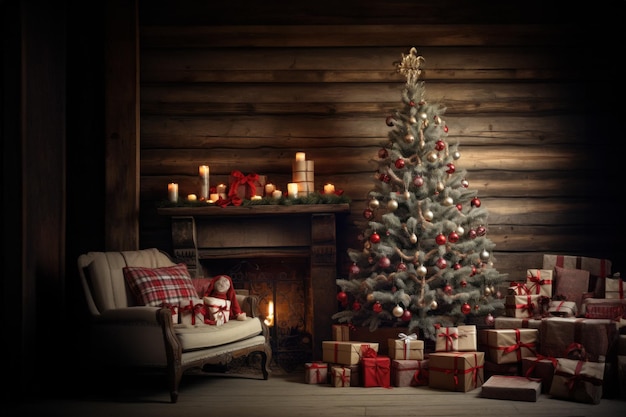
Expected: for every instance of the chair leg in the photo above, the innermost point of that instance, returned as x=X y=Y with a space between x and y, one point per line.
x=175 y=374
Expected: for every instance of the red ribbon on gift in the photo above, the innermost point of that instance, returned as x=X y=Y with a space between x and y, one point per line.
x=449 y=337
x=517 y=346
x=421 y=375
x=519 y=288
x=576 y=351
x=572 y=380
x=528 y=306
x=538 y=359
x=194 y=309
x=455 y=372
x=240 y=179
x=220 y=309
x=317 y=366
x=343 y=377
x=538 y=282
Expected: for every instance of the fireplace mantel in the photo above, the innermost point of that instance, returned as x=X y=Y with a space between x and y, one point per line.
x=302 y=230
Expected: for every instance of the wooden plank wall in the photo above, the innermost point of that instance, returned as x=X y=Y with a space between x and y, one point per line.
x=250 y=89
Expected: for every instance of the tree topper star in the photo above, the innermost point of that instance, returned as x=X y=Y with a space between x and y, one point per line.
x=410 y=65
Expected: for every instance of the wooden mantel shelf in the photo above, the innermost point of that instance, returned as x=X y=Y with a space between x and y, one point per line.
x=203 y=234
x=253 y=210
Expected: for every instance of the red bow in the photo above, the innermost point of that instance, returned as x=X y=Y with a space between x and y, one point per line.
x=240 y=179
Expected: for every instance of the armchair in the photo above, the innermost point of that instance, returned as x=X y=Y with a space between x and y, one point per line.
x=126 y=335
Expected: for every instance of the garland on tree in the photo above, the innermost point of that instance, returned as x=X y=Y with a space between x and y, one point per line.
x=426 y=261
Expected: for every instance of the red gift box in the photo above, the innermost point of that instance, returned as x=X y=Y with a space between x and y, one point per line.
x=376 y=371
x=246 y=186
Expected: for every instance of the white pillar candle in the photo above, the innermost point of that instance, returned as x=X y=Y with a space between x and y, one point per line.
x=172 y=192
x=221 y=190
x=277 y=194
x=203 y=170
x=329 y=189
x=300 y=156
x=269 y=189
x=292 y=190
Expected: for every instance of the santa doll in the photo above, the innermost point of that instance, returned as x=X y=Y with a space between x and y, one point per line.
x=221 y=300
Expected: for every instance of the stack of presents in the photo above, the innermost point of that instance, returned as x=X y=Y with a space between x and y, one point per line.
x=563 y=334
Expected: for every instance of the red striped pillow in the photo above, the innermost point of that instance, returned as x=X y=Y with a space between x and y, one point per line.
x=155 y=286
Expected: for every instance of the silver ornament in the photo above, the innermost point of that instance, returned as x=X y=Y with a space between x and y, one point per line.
x=428 y=215
x=448 y=201
x=456 y=155
x=460 y=231
x=433 y=305
x=397 y=311
x=484 y=255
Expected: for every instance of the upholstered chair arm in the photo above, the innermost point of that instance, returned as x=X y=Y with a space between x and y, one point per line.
x=249 y=304
x=140 y=315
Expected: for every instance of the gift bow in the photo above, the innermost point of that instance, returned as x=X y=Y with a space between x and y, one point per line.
x=537 y=282
x=407 y=338
x=194 y=309
x=241 y=179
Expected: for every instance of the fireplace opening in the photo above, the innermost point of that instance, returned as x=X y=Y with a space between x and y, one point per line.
x=282 y=286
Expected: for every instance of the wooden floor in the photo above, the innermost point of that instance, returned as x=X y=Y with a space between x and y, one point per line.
x=286 y=394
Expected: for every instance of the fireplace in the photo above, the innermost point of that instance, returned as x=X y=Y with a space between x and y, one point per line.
x=285 y=254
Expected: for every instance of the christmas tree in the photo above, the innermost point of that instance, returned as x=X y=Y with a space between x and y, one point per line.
x=426 y=260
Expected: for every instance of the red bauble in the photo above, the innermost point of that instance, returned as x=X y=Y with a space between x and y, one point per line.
x=480 y=230
x=440 y=239
x=463 y=283
x=406 y=316
x=466 y=308
x=441 y=263
x=385 y=178
x=412 y=103
x=489 y=320
x=472 y=234
x=459 y=207
x=400 y=163
x=384 y=262
x=456 y=266
x=440 y=145
x=389 y=121
x=401 y=267
x=418 y=181
x=342 y=296
x=451 y=168
x=445 y=129
x=375 y=238
x=377 y=307
x=382 y=153
x=453 y=237
x=356 y=306
x=475 y=202
x=447 y=289
x=368 y=214
x=354 y=269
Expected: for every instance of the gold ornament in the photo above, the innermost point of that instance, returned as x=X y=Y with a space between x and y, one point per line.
x=428 y=215
x=409 y=138
x=410 y=66
x=407 y=195
x=413 y=238
x=433 y=305
x=374 y=204
x=448 y=201
x=392 y=205
x=412 y=120
x=397 y=311
x=370 y=297
x=440 y=186
x=432 y=156
x=421 y=270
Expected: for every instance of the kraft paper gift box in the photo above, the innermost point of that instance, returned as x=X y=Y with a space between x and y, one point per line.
x=539 y=282
x=447 y=339
x=341 y=332
x=409 y=372
x=598 y=269
x=509 y=387
x=407 y=347
x=614 y=288
x=573 y=338
x=539 y=367
x=316 y=373
x=604 y=308
x=376 y=371
x=355 y=374
x=511 y=345
x=571 y=285
x=563 y=308
x=456 y=371
x=246 y=186
x=340 y=376
x=518 y=288
x=578 y=381
x=521 y=306
x=468 y=338
x=345 y=353
x=502 y=322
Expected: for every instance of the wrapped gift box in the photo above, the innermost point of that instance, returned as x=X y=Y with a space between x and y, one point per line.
x=539 y=367
x=355 y=374
x=502 y=322
x=511 y=345
x=598 y=269
x=316 y=373
x=518 y=288
x=521 y=306
x=614 y=288
x=409 y=372
x=539 y=282
x=246 y=186
x=456 y=371
x=174 y=309
x=568 y=337
x=193 y=313
x=341 y=332
x=376 y=371
x=563 y=308
x=507 y=387
x=571 y=285
x=604 y=308
x=407 y=347
x=340 y=376
x=468 y=338
x=578 y=381
x=345 y=353
x=218 y=310
x=447 y=339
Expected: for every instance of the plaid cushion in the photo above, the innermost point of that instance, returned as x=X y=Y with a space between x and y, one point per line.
x=155 y=286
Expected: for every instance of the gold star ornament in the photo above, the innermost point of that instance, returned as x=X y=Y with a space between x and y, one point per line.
x=410 y=65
